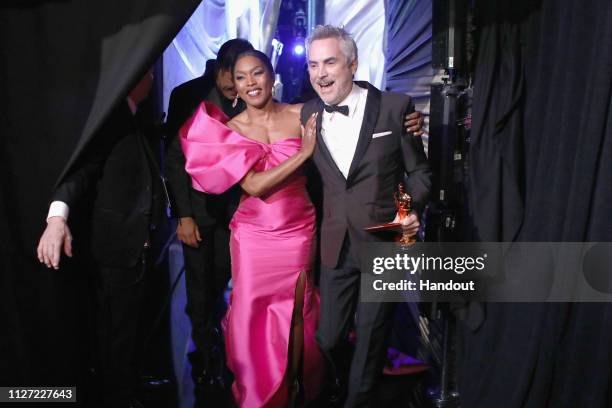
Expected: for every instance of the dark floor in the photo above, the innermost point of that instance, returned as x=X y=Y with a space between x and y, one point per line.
x=395 y=392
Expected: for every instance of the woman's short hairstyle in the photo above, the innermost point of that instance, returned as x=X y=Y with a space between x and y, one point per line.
x=260 y=56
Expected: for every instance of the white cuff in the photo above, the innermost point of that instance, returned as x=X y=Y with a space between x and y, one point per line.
x=133 y=105
x=58 y=209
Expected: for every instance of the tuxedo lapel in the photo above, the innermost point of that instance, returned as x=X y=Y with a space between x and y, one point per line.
x=322 y=147
x=370 y=118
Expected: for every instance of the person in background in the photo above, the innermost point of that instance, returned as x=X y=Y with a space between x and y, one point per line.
x=119 y=167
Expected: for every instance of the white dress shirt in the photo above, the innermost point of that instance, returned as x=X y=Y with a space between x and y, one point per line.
x=60 y=208
x=341 y=133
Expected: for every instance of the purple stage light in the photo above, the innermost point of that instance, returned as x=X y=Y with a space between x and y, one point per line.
x=298 y=49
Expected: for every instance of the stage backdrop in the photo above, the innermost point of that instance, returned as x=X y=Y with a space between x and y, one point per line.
x=408 y=52
x=198 y=41
x=63 y=65
x=365 y=20
x=213 y=23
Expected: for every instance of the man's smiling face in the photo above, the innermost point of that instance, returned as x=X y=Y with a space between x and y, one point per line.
x=331 y=74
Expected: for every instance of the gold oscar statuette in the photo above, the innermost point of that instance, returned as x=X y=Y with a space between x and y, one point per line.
x=403 y=203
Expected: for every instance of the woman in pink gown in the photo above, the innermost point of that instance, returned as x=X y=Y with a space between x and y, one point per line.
x=274 y=306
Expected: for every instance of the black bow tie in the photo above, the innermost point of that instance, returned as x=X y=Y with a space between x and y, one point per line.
x=344 y=109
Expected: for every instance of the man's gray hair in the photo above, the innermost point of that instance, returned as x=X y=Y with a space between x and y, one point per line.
x=347 y=44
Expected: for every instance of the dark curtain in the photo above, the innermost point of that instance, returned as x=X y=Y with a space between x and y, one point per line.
x=541 y=170
x=408 y=48
x=408 y=70
x=63 y=65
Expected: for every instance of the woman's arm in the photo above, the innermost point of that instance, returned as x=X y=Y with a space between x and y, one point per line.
x=257 y=184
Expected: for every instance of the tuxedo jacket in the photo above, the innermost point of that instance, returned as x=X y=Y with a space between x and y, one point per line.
x=365 y=197
x=207 y=209
x=117 y=172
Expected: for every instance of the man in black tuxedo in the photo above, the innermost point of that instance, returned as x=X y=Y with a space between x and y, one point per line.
x=362 y=153
x=203 y=219
x=121 y=169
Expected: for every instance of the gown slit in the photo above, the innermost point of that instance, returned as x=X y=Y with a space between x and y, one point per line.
x=277 y=393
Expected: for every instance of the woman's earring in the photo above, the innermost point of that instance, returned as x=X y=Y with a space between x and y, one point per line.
x=235 y=102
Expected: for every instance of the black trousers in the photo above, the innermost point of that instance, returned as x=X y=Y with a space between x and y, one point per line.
x=120 y=297
x=339 y=304
x=207 y=272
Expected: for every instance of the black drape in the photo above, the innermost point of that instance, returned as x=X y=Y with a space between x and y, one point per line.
x=541 y=171
x=63 y=65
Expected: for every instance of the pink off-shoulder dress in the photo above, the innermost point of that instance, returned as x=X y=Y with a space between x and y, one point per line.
x=272 y=242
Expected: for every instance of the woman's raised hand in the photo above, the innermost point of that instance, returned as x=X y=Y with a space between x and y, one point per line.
x=309 y=135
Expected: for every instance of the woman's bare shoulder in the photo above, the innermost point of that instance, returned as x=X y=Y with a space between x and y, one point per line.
x=294 y=108
x=291 y=109
x=238 y=122
x=291 y=119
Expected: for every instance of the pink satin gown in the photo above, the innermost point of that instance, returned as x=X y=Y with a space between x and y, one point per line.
x=272 y=242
